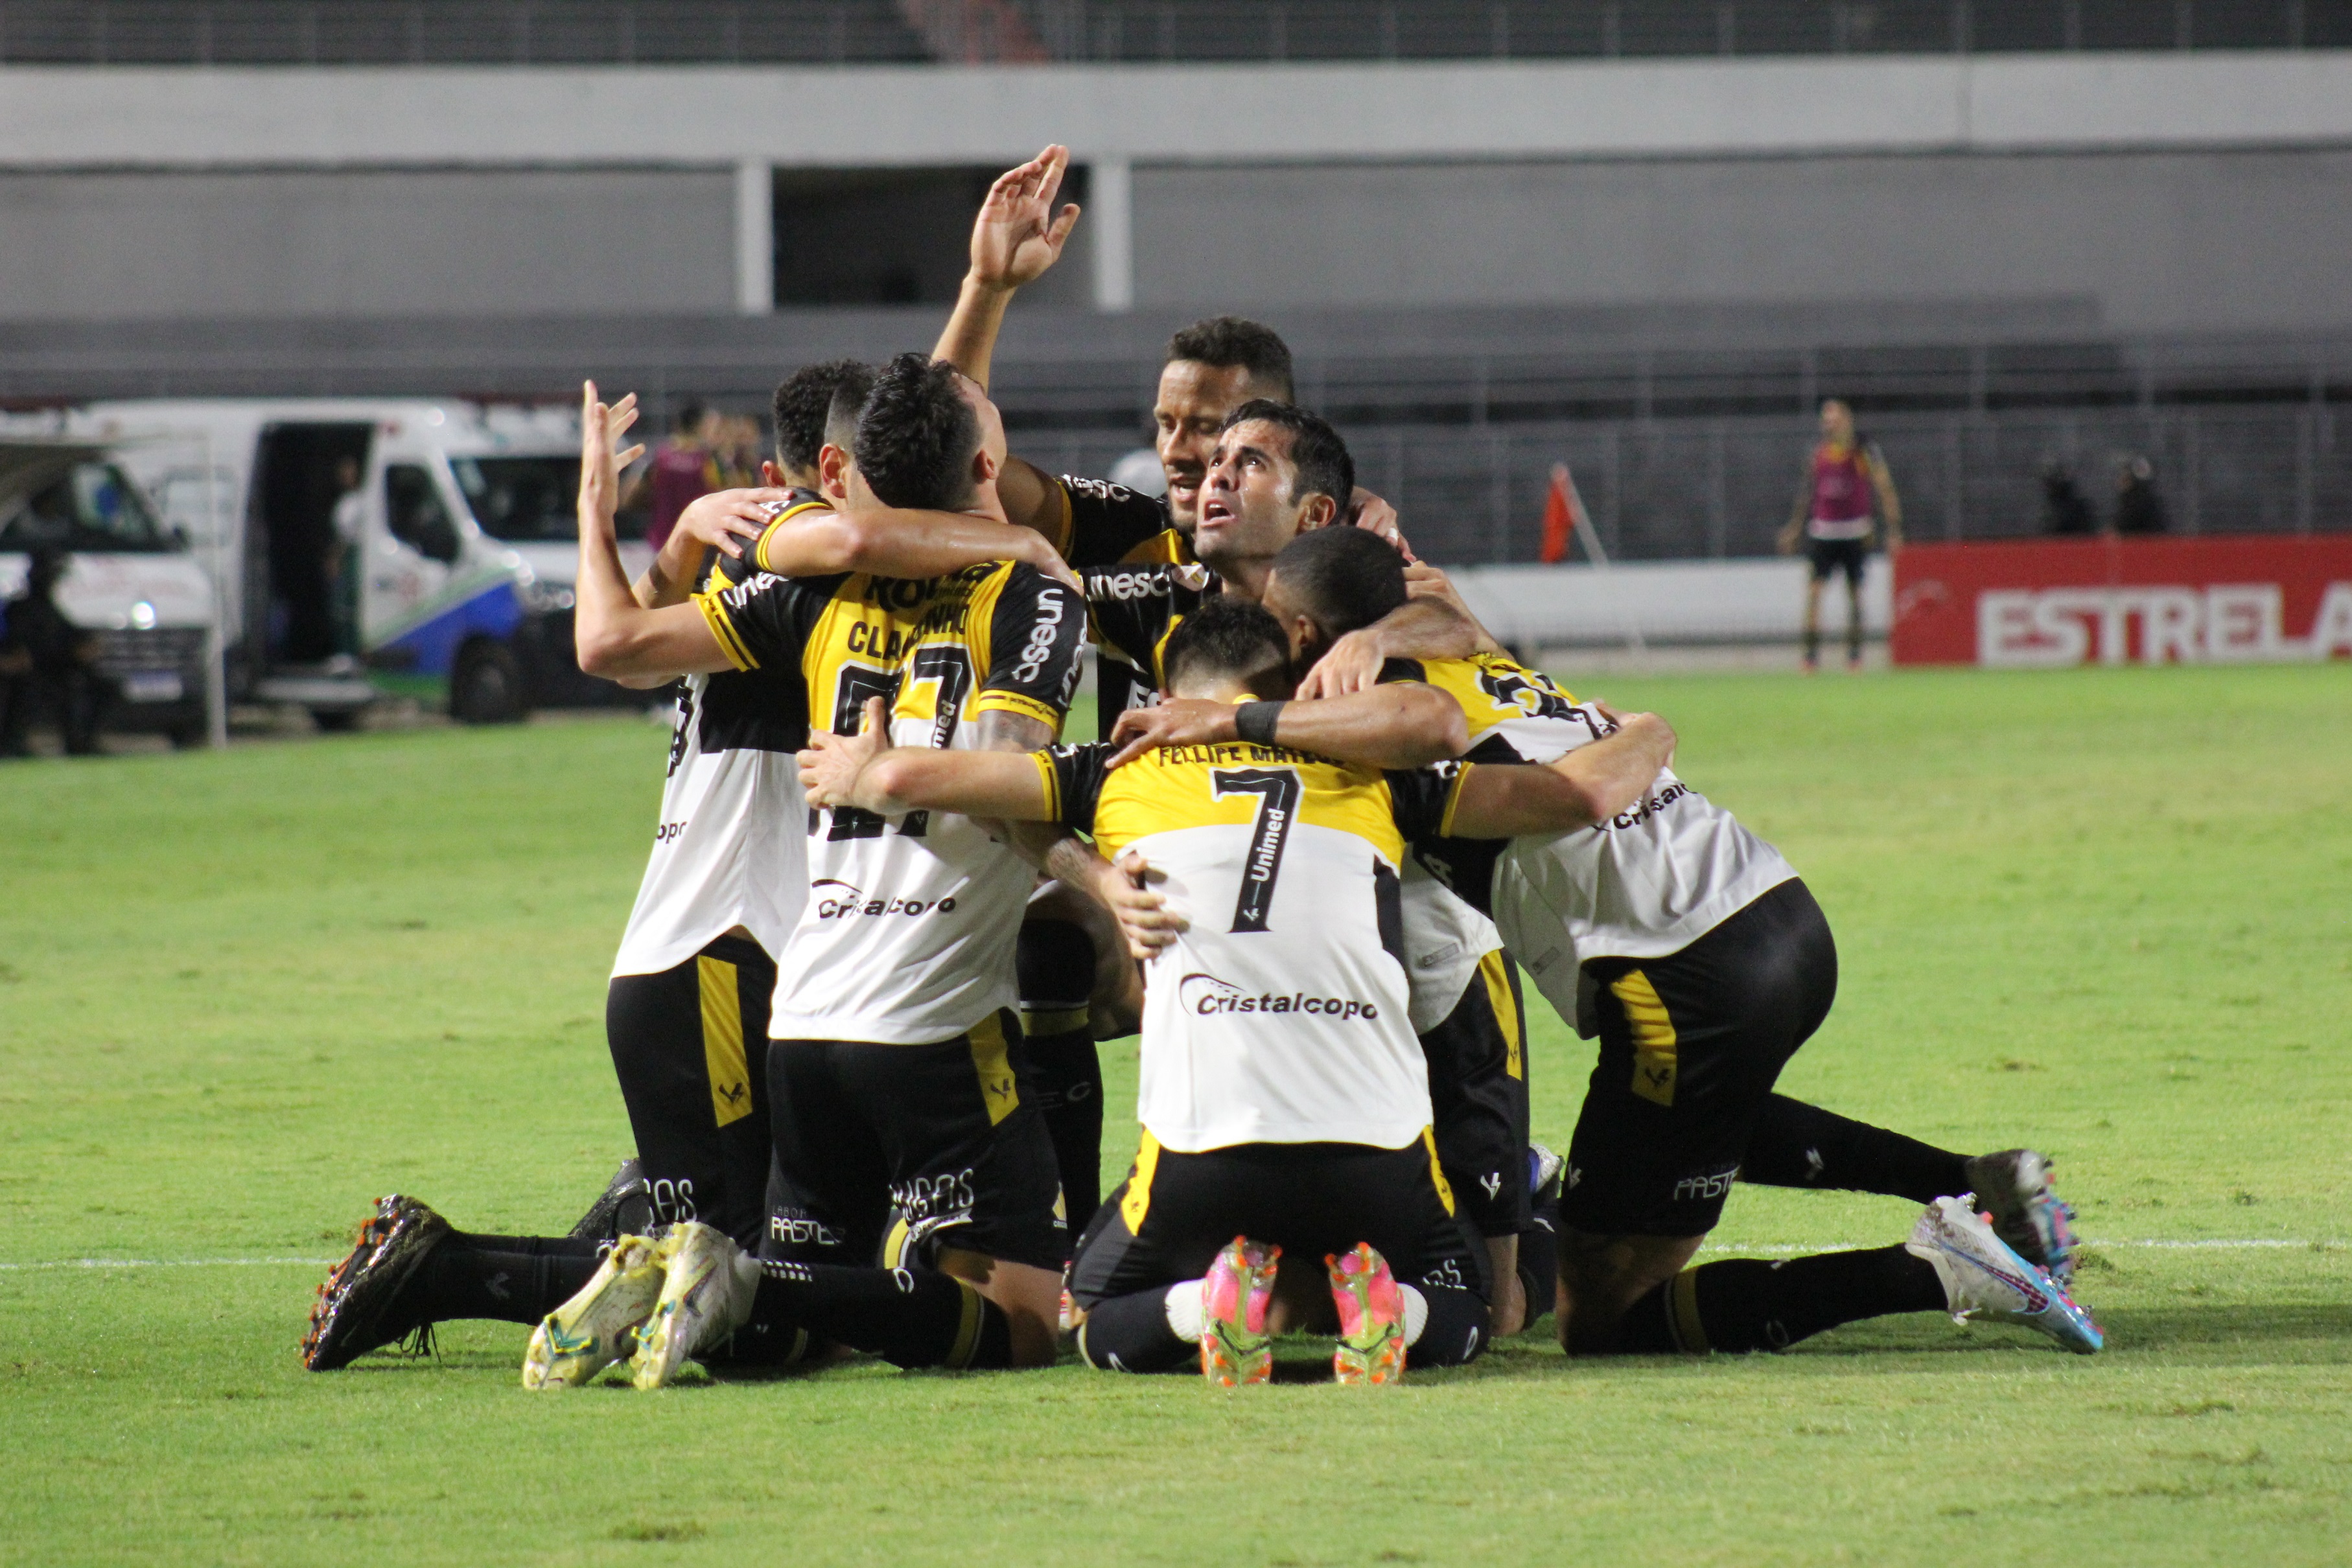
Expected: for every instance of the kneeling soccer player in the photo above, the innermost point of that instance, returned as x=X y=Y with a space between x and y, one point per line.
x=1285 y=1100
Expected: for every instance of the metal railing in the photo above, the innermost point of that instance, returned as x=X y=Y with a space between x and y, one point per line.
x=1702 y=489
x=642 y=32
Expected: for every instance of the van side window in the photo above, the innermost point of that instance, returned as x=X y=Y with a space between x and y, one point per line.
x=414 y=512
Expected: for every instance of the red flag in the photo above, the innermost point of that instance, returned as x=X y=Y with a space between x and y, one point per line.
x=1560 y=516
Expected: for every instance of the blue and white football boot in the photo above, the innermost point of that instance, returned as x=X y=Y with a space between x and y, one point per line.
x=1985 y=1280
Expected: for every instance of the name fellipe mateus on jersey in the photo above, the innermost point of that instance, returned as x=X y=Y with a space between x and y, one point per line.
x=728 y=847
x=1648 y=881
x=907 y=935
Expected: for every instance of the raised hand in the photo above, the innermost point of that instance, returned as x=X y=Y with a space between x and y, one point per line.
x=600 y=427
x=724 y=517
x=1018 y=235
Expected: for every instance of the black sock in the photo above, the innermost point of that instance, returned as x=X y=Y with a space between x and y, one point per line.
x=1456 y=1329
x=1130 y=1333
x=1812 y=643
x=1055 y=964
x=1746 y=1303
x=1797 y=1144
x=908 y=1317
x=768 y=1338
x=510 y=1279
x=1067 y=1071
x=1539 y=1269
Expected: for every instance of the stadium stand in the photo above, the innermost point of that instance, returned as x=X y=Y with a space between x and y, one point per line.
x=577 y=32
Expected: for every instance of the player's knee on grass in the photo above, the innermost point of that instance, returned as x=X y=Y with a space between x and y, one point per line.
x=1055 y=965
x=1601 y=1277
x=1029 y=1298
x=1454 y=1330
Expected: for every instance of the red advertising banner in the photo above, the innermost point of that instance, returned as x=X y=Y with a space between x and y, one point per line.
x=2027 y=603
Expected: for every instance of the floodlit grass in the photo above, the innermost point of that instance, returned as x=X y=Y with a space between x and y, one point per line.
x=2106 y=912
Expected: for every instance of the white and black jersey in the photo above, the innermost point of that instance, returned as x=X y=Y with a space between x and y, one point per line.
x=728 y=847
x=908 y=932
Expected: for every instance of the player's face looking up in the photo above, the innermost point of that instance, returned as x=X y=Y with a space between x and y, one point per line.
x=1250 y=503
x=1189 y=410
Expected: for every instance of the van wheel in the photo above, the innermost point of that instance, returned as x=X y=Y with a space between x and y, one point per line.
x=336 y=720
x=486 y=686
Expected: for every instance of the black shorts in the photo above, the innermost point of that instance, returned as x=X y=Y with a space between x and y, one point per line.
x=1831 y=557
x=1168 y=1219
x=690 y=1045
x=1478 y=1093
x=1690 y=1046
x=886 y=1152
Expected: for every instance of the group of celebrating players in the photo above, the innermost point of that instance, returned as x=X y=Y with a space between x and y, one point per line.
x=1328 y=822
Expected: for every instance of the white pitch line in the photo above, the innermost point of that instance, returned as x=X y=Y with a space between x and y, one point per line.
x=2241 y=1245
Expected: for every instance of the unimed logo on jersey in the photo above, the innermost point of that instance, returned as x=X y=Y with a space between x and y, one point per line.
x=1206 y=995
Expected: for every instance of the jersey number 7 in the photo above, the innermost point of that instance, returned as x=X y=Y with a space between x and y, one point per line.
x=1278 y=791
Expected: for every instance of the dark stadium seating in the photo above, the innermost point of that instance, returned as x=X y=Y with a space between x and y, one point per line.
x=610 y=32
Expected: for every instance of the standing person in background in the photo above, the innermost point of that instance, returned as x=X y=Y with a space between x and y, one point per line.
x=343 y=555
x=685 y=470
x=1834 y=516
x=2138 y=509
x=45 y=656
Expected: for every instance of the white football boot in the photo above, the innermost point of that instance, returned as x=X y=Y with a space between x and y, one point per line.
x=706 y=1295
x=596 y=1327
x=1985 y=1279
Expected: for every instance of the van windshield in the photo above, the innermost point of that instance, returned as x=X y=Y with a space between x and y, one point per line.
x=91 y=507
x=522 y=498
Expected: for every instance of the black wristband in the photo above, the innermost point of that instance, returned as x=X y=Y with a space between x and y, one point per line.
x=1255 y=722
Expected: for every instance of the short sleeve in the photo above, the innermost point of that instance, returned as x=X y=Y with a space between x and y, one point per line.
x=1422 y=799
x=1073 y=778
x=1036 y=631
x=801 y=505
x=1103 y=521
x=765 y=619
x=1396 y=672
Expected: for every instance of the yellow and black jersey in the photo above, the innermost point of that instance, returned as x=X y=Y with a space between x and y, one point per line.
x=798 y=503
x=1134 y=609
x=906 y=936
x=1516 y=714
x=1281 y=1015
x=1102 y=524
x=729 y=850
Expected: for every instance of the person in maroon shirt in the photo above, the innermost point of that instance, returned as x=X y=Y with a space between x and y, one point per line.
x=1833 y=518
x=684 y=470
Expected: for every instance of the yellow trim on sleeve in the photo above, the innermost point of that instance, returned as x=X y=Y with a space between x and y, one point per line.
x=760 y=548
x=722 y=627
x=1053 y=783
x=1453 y=800
x=1021 y=703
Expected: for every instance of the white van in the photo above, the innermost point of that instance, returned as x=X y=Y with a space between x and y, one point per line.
x=130 y=581
x=368 y=545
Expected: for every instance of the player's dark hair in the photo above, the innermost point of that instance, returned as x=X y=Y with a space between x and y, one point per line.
x=1345 y=577
x=1232 y=637
x=841 y=414
x=803 y=407
x=1318 y=458
x=1225 y=341
x=690 y=415
x=916 y=436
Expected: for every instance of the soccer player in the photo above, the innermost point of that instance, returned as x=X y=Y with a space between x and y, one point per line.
x=900 y=1123
x=1833 y=516
x=1275 y=476
x=1703 y=964
x=686 y=1008
x=1284 y=1097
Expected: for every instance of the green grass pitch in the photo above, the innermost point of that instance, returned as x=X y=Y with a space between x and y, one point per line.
x=2108 y=912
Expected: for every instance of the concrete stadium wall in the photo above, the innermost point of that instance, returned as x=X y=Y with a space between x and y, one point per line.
x=364 y=242
x=2163 y=241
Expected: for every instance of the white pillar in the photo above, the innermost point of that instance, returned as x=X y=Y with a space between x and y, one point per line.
x=1110 y=214
x=755 y=237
